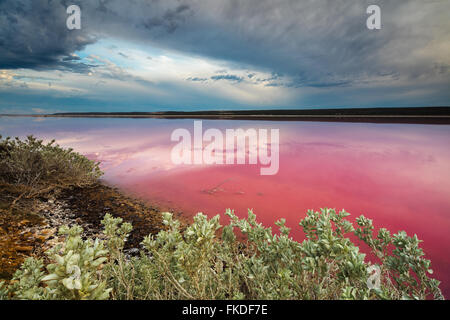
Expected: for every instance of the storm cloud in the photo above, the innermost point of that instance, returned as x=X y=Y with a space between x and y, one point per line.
x=33 y=35
x=311 y=40
x=319 y=44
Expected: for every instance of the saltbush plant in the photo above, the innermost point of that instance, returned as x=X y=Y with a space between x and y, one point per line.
x=36 y=167
x=207 y=261
x=74 y=272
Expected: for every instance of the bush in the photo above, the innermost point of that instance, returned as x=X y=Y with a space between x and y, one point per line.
x=196 y=263
x=73 y=274
x=38 y=168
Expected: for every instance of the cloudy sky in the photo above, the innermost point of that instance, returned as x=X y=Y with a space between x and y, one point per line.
x=156 y=55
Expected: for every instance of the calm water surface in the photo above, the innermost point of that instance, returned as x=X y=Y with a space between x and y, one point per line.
x=396 y=174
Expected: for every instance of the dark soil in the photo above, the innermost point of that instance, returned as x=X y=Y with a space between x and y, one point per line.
x=92 y=203
x=31 y=226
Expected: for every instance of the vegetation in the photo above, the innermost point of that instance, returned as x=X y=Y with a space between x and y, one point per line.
x=36 y=168
x=32 y=172
x=197 y=263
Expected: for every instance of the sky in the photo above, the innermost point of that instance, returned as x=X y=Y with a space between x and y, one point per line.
x=187 y=55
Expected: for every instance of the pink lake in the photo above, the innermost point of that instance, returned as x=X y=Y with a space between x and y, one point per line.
x=396 y=174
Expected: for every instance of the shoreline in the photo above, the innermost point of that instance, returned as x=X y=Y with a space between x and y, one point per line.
x=432 y=120
x=414 y=115
x=31 y=227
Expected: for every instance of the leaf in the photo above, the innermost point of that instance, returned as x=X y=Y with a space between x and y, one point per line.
x=50 y=277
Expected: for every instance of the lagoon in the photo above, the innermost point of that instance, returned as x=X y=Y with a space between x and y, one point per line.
x=396 y=174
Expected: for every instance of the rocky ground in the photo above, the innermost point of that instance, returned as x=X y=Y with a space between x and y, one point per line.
x=31 y=226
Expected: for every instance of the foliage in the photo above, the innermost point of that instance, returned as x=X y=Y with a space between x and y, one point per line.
x=402 y=262
x=74 y=272
x=25 y=283
x=208 y=261
x=38 y=167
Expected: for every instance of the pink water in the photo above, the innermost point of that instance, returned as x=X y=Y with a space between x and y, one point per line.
x=396 y=174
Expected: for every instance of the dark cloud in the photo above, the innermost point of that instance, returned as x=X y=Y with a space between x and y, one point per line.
x=33 y=34
x=229 y=77
x=169 y=20
x=196 y=79
x=318 y=43
x=323 y=84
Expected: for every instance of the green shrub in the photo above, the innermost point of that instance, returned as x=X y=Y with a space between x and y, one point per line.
x=403 y=267
x=38 y=167
x=73 y=274
x=207 y=261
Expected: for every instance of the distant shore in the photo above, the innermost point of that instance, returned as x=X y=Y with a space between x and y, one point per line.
x=420 y=115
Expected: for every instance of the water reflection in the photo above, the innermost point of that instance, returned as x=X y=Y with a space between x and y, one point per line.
x=396 y=174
